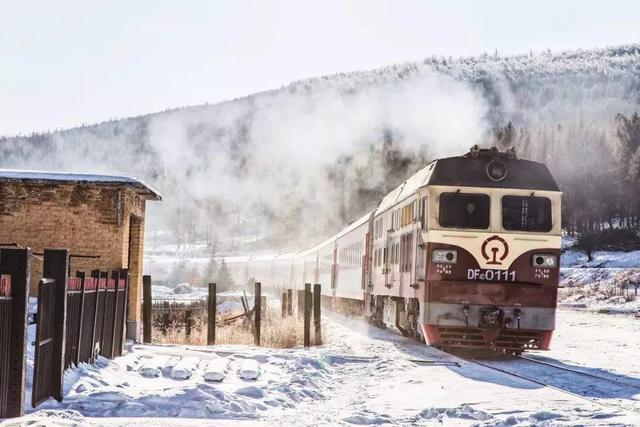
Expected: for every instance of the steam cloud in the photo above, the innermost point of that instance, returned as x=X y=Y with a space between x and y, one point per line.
x=266 y=164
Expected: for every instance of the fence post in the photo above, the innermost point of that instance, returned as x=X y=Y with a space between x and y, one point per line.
x=17 y=264
x=187 y=324
x=316 y=314
x=56 y=266
x=289 y=302
x=211 y=314
x=257 y=312
x=146 y=309
x=82 y=277
x=301 y=301
x=165 y=316
x=109 y=331
x=307 y=314
x=121 y=312
x=284 y=305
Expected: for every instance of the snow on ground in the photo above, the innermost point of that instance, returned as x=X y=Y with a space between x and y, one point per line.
x=601 y=289
x=603 y=343
x=228 y=302
x=603 y=259
x=180 y=292
x=362 y=376
x=600 y=284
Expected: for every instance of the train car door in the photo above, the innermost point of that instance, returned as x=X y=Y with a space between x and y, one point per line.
x=388 y=277
x=365 y=263
x=394 y=271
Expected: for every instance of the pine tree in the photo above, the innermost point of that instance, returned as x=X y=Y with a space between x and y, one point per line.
x=225 y=279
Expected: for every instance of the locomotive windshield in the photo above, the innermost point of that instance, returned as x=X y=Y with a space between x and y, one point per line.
x=526 y=213
x=464 y=210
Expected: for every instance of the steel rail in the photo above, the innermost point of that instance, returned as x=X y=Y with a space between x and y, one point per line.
x=544 y=384
x=577 y=371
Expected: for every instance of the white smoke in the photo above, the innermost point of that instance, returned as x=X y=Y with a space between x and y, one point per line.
x=289 y=140
x=275 y=152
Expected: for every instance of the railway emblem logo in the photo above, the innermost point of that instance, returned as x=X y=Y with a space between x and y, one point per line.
x=499 y=250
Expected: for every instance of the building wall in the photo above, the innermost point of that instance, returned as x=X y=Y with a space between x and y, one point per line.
x=86 y=219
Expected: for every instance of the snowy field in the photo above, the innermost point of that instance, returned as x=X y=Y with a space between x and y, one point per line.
x=362 y=376
x=601 y=284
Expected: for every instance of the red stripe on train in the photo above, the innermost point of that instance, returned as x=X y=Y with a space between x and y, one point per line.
x=525 y=295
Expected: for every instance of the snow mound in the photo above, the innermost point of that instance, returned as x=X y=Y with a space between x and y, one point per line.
x=182 y=289
x=153 y=366
x=184 y=368
x=462 y=412
x=249 y=370
x=216 y=370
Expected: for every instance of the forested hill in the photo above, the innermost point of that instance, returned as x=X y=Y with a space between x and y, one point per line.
x=301 y=161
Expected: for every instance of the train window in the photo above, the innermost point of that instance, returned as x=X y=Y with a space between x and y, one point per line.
x=464 y=210
x=526 y=213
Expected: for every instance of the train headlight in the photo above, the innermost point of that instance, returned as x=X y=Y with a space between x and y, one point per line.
x=444 y=256
x=496 y=170
x=544 y=261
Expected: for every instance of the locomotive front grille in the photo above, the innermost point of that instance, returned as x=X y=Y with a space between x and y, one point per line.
x=506 y=339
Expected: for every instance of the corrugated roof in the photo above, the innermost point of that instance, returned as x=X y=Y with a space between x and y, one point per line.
x=42 y=177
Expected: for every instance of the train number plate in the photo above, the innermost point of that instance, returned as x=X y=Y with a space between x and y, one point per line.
x=491 y=275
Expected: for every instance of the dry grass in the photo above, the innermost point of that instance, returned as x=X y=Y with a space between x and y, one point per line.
x=276 y=332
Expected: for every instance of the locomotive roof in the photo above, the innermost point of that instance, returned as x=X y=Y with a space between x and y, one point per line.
x=471 y=171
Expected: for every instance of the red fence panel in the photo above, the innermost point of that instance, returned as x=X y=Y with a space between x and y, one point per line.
x=43 y=362
x=73 y=321
x=90 y=294
x=121 y=313
x=106 y=346
x=99 y=313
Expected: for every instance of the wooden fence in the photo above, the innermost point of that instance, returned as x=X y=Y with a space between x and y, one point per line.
x=15 y=267
x=83 y=316
x=78 y=319
x=163 y=314
x=69 y=312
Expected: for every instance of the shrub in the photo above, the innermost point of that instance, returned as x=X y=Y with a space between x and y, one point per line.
x=277 y=332
x=613 y=239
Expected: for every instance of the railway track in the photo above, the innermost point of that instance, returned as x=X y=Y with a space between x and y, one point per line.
x=578 y=371
x=602 y=391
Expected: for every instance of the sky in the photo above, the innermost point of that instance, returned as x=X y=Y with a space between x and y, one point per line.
x=73 y=62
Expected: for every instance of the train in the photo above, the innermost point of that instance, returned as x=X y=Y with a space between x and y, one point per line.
x=464 y=254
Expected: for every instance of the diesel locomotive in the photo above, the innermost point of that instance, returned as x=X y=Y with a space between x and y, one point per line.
x=463 y=254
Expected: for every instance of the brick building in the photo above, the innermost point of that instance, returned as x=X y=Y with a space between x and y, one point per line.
x=99 y=218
